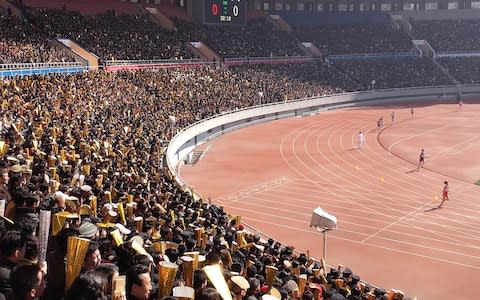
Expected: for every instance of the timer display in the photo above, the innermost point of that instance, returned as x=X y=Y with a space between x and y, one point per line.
x=225 y=11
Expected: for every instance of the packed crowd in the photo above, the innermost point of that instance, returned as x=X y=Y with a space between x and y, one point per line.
x=354 y=39
x=21 y=42
x=258 y=38
x=292 y=81
x=119 y=37
x=326 y=78
x=465 y=69
x=89 y=149
x=112 y=37
x=128 y=37
x=449 y=35
x=383 y=74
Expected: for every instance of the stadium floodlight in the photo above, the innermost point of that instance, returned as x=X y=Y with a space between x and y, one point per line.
x=323 y=222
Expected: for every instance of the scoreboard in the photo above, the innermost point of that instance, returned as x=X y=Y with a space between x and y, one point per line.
x=225 y=12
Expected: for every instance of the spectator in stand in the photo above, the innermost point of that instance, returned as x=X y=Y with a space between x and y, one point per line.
x=209 y=294
x=93 y=257
x=4 y=178
x=28 y=283
x=90 y=285
x=138 y=283
x=111 y=272
x=199 y=281
x=12 y=250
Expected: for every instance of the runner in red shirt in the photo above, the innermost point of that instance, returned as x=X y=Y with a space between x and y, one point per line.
x=445 y=193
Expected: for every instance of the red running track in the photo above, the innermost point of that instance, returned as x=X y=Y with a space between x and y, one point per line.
x=390 y=231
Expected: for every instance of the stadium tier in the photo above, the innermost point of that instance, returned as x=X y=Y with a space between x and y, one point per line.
x=89 y=207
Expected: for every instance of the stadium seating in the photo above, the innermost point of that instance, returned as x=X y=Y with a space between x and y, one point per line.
x=171 y=11
x=120 y=122
x=87 y=7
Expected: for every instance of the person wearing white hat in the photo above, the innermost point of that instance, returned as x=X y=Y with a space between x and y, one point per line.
x=183 y=292
x=85 y=192
x=238 y=286
x=106 y=208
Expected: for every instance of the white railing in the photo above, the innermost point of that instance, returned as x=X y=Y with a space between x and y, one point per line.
x=458 y=54
x=389 y=55
x=29 y=69
x=265 y=60
x=45 y=65
x=150 y=62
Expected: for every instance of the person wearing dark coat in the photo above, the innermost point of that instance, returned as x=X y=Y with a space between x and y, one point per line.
x=12 y=252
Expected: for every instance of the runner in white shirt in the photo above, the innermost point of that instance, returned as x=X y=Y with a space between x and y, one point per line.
x=361 y=140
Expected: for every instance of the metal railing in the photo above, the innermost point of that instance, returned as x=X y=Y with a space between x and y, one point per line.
x=392 y=55
x=151 y=62
x=457 y=54
x=22 y=66
x=42 y=70
x=266 y=60
x=154 y=64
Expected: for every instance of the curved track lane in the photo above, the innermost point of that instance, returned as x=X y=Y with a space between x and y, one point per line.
x=390 y=231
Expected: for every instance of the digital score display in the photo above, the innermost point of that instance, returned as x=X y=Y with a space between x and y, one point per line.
x=225 y=11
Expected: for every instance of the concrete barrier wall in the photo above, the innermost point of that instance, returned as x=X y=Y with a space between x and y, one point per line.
x=196 y=134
